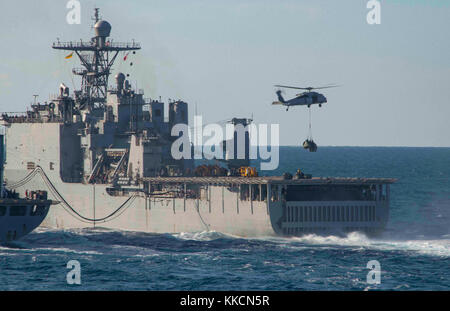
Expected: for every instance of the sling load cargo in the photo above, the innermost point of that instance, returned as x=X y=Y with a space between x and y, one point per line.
x=310 y=145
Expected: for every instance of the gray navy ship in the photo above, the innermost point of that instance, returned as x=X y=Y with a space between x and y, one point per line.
x=103 y=152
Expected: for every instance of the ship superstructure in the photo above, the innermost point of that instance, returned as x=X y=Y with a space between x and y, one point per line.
x=105 y=153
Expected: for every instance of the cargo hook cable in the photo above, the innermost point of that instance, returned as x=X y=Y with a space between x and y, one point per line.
x=310 y=130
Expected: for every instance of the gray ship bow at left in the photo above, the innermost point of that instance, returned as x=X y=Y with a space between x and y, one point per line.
x=19 y=216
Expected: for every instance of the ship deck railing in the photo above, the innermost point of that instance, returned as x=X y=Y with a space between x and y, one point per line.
x=91 y=46
x=269 y=180
x=23 y=117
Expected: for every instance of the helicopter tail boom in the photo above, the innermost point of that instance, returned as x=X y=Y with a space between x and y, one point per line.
x=280 y=97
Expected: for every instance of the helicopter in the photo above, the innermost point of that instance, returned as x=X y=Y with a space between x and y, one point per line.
x=307 y=98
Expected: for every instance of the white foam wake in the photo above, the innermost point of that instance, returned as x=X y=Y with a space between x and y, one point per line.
x=438 y=247
x=433 y=247
x=200 y=236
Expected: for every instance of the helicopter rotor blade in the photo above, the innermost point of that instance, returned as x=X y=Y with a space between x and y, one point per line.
x=325 y=87
x=307 y=88
x=293 y=87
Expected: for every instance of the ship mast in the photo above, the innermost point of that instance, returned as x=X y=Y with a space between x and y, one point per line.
x=97 y=57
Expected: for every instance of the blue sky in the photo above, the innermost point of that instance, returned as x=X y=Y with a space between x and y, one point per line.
x=225 y=57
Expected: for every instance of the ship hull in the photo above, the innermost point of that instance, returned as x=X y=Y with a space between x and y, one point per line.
x=20 y=217
x=220 y=210
x=147 y=214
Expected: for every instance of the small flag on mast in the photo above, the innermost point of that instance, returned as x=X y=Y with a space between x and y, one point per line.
x=69 y=56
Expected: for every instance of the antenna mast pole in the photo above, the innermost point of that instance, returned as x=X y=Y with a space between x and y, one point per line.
x=97 y=58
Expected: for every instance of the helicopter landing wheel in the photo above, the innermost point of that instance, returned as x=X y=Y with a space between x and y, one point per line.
x=320 y=105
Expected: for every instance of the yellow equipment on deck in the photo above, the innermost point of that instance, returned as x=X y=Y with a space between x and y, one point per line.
x=248 y=171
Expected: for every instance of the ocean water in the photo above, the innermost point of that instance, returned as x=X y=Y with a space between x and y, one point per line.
x=413 y=252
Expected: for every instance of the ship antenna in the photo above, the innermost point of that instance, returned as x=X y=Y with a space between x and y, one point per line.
x=96 y=15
